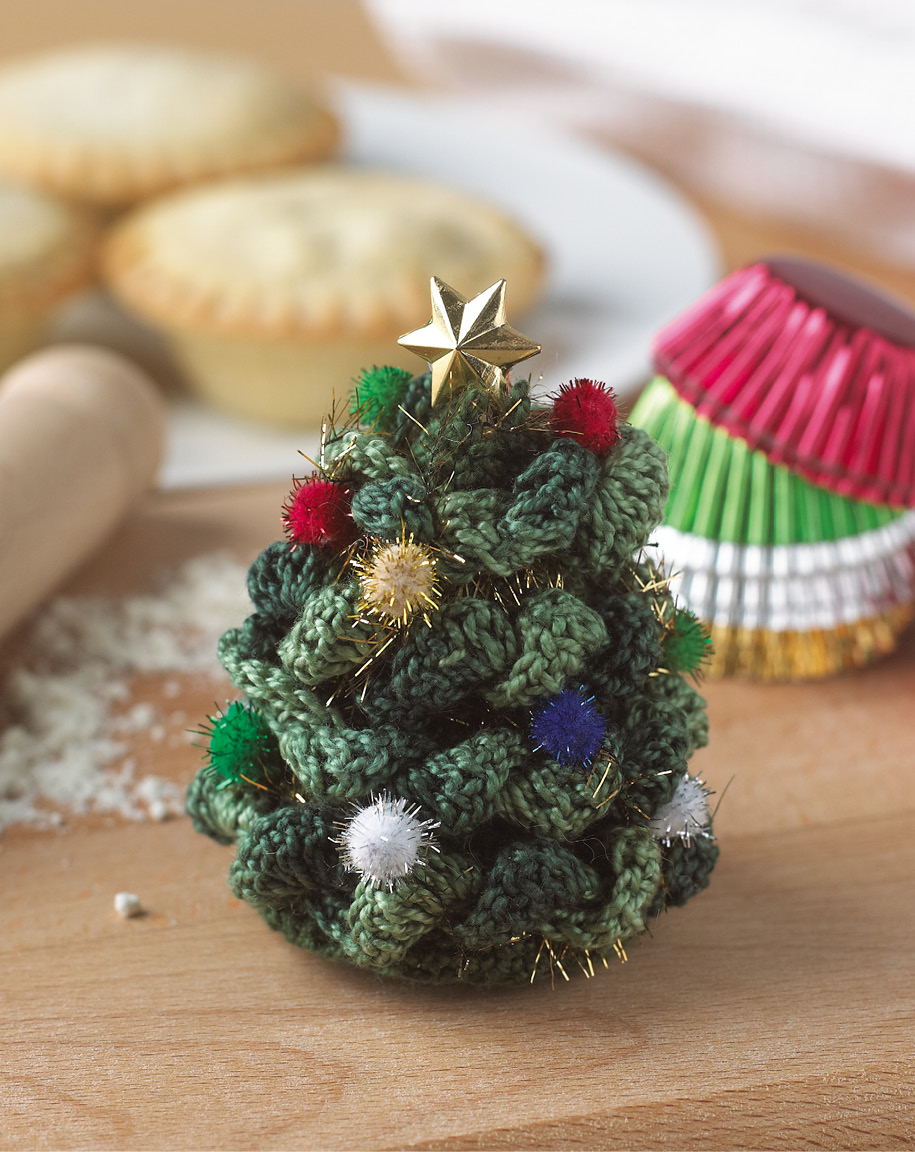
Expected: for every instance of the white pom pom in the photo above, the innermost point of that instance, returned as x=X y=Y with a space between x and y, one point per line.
x=383 y=841
x=686 y=814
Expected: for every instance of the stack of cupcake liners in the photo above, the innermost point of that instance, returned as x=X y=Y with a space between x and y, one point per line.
x=790 y=431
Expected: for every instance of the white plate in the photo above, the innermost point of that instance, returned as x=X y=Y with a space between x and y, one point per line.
x=625 y=254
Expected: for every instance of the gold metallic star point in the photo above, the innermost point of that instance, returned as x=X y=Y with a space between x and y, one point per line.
x=468 y=341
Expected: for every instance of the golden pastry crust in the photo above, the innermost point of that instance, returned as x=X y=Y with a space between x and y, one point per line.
x=313 y=255
x=47 y=251
x=115 y=124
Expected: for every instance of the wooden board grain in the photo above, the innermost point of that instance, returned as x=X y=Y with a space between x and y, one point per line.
x=775 y=1011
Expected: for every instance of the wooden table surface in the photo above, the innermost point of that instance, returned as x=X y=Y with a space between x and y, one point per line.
x=776 y=1011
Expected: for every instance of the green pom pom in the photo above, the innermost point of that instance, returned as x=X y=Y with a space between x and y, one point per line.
x=378 y=394
x=687 y=644
x=242 y=749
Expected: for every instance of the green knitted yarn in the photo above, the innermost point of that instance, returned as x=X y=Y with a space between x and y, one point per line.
x=543 y=588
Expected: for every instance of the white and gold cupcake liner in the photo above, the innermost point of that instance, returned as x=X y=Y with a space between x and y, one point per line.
x=758 y=654
x=796 y=610
x=796 y=586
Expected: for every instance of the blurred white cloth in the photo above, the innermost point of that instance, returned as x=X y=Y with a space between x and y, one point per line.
x=805 y=108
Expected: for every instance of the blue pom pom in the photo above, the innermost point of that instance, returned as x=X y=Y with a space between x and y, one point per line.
x=568 y=727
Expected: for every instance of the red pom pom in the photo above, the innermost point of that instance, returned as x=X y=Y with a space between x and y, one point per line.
x=317 y=511
x=586 y=409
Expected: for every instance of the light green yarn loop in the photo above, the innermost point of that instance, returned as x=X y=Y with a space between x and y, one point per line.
x=337 y=765
x=559 y=635
x=469 y=525
x=275 y=690
x=326 y=640
x=637 y=862
x=558 y=802
x=368 y=455
x=219 y=812
x=627 y=505
x=384 y=925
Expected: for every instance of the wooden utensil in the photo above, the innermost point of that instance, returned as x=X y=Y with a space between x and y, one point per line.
x=81 y=437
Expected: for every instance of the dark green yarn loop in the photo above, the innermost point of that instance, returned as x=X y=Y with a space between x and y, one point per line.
x=549 y=891
x=687 y=869
x=528 y=887
x=655 y=747
x=256 y=640
x=540 y=589
x=414 y=410
x=279 y=583
x=478 y=442
x=634 y=647
x=466 y=783
x=285 y=858
x=468 y=644
x=684 y=697
x=281 y=579
x=628 y=503
x=503 y=532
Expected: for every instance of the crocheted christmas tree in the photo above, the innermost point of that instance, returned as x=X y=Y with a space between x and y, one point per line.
x=463 y=744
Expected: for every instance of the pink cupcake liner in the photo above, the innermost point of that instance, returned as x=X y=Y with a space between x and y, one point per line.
x=811 y=368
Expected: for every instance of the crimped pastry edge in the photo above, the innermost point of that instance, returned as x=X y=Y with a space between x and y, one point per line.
x=85 y=177
x=70 y=267
x=146 y=288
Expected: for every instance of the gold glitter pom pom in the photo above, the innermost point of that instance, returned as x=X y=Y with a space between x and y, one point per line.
x=399 y=580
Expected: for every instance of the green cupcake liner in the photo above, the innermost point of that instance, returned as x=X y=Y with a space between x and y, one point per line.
x=722 y=490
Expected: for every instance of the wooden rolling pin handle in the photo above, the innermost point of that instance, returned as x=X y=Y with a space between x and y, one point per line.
x=81 y=437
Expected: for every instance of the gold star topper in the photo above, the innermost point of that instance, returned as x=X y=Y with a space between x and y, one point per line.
x=468 y=341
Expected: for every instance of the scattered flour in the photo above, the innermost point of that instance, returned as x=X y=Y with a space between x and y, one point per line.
x=66 y=711
x=126 y=904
